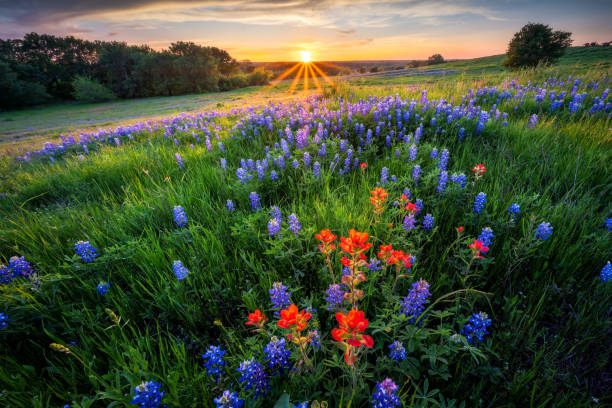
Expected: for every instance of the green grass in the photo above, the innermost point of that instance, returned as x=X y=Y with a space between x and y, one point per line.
x=549 y=342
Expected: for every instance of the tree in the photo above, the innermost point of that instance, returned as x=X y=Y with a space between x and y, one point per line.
x=435 y=59
x=536 y=44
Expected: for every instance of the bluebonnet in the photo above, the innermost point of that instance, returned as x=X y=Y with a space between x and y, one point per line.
x=179 y=160
x=606 y=272
x=335 y=296
x=223 y=163
x=398 y=352
x=459 y=179
x=86 y=251
x=609 y=224
x=384 y=176
x=296 y=164
x=243 y=175
x=148 y=395
x=486 y=236
x=514 y=209
x=275 y=212
x=18 y=267
x=443 y=161
x=434 y=153
x=386 y=395
x=4 y=320
x=180 y=218
x=543 y=231
x=416 y=173
x=442 y=181
x=294 y=224
x=179 y=270
x=228 y=400
x=274 y=227
x=254 y=377
x=414 y=304
x=533 y=121
x=261 y=173
x=428 y=222
x=255 y=201
x=279 y=295
x=301 y=405
x=230 y=205
x=214 y=361
x=419 y=204
x=409 y=222
x=277 y=355
x=273 y=175
x=102 y=288
x=374 y=265
x=316 y=168
x=412 y=153
x=476 y=327
x=306 y=159
x=479 y=202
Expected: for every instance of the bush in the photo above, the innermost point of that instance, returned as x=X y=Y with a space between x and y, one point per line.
x=535 y=44
x=435 y=59
x=15 y=93
x=258 y=77
x=374 y=69
x=90 y=91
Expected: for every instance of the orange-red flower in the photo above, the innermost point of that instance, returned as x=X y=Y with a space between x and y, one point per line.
x=351 y=328
x=411 y=207
x=479 y=170
x=460 y=229
x=364 y=165
x=478 y=247
x=356 y=243
x=256 y=319
x=327 y=239
x=291 y=318
x=377 y=197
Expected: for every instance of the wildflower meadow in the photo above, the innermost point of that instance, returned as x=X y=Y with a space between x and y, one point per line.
x=441 y=245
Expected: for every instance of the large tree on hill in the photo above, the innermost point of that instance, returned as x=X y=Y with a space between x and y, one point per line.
x=534 y=44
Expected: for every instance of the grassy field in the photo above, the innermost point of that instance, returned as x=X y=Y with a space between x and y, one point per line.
x=68 y=341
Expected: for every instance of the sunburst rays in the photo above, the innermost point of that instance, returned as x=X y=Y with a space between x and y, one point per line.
x=306 y=72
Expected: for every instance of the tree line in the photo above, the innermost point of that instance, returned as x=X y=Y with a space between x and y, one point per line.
x=40 y=68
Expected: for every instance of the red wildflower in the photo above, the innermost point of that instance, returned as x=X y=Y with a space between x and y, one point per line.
x=292 y=319
x=350 y=331
x=479 y=170
x=460 y=229
x=478 y=247
x=256 y=319
x=364 y=166
x=411 y=207
x=327 y=239
x=355 y=243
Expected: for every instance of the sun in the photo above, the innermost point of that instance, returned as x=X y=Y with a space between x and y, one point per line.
x=305 y=56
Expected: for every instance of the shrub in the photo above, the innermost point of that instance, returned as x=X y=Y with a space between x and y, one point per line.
x=88 y=90
x=435 y=59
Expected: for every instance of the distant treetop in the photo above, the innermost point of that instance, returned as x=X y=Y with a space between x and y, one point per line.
x=536 y=44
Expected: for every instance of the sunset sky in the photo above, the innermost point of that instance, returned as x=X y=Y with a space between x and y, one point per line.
x=273 y=30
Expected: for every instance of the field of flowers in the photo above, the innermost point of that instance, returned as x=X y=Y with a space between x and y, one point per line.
x=441 y=246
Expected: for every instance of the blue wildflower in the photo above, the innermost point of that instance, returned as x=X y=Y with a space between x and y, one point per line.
x=179 y=160
x=479 y=202
x=434 y=153
x=414 y=304
x=384 y=176
x=214 y=362
x=273 y=175
x=87 y=252
x=398 y=352
x=277 y=355
x=409 y=222
x=386 y=395
x=428 y=222
x=228 y=400
x=374 y=265
x=180 y=218
x=274 y=227
x=102 y=288
x=254 y=377
x=476 y=327
x=335 y=296
x=543 y=231
x=316 y=169
x=294 y=224
x=279 y=295
x=514 y=209
x=442 y=181
x=416 y=173
x=4 y=319
x=606 y=272
x=223 y=163
x=18 y=267
x=148 y=395
x=459 y=179
x=243 y=175
x=486 y=236
x=306 y=159
x=255 y=201
x=230 y=205
x=412 y=153
x=533 y=121
x=179 y=270
x=609 y=224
